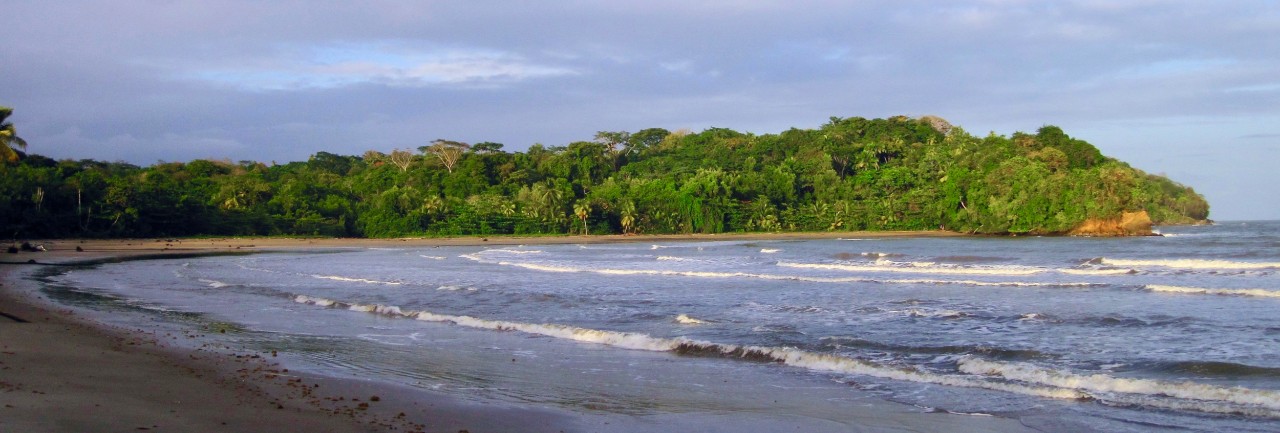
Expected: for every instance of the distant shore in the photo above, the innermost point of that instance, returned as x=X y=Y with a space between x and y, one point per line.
x=258 y=243
x=63 y=372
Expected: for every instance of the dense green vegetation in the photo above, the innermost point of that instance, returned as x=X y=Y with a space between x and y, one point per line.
x=850 y=174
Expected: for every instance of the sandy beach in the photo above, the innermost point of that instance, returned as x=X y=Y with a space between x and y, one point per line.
x=61 y=372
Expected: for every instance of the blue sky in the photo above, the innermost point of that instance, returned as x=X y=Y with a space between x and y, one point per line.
x=1190 y=89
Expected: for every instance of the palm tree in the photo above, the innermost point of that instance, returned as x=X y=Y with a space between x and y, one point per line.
x=582 y=209
x=10 y=143
x=627 y=212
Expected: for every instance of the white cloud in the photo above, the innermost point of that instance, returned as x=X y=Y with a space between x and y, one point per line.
x=391 y=64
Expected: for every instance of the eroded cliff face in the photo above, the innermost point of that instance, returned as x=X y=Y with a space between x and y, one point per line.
x=1128 y=224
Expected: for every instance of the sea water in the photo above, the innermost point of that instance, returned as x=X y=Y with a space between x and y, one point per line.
x=1178 y=332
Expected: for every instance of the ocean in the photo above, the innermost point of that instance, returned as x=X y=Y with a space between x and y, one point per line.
x=1173 y=333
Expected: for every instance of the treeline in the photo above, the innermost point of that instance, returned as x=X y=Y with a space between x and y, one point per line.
x=850 y=174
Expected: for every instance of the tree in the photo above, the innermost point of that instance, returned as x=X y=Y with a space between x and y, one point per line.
x=582 y=209
x=401 y=159
x=627 y=216
x=447 y=151
x=11 y=145
x=487 y=147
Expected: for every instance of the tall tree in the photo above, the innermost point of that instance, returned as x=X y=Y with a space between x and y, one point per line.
x=11 y=146
x=447 y=151
x=401 y=159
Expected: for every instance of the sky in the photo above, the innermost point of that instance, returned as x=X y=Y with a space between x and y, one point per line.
x=1188 y=89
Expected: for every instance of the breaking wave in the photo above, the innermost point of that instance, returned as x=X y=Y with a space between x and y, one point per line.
x=214 y=283
x=1224 y=292
x=355 y=280
x=1149 y=392
x=933 y=313
x=1078 y=271
x=684 y=346
x=1196 y=264
x=684 y=319
x=712 y=274
x=511 y=251
x=914 y=268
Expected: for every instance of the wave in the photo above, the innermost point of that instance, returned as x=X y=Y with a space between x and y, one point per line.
x=511 y=251
x=432 y=257
x=1196 y=264
x=1011 y=377
x=684 y=319
x=914 y=268
x=672 y=259
x=1224 y=292
x=688 y=347
x=214 y=283
x=931 y=313
x=1194 y=396
x=355 y=280
x=1101 y=272
x=1037 y=316
x=1216 y=369
x=712 y=274
x=769 y=250
x=987 y=283
x=987 y=351
x=943 y=269
x=877 y=255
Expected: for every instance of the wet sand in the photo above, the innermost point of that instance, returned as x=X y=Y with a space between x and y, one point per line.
x=61 y=372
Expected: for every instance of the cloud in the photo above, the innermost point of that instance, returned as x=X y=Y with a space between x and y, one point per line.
x=392 y=64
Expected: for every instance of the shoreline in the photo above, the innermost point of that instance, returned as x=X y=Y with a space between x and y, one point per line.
x=46 y=385
x=261 y=243
x=61 y=371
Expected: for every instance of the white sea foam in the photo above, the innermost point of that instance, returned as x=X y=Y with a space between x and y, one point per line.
x=1196 y=264
x=303 y=299
x=544 y=268
x=455 y=288
x=984 y=283
x=1225 y=292
x=1194 y=395
x=510 y=251
x=1101 y=272
x=916 y=268
x=944 y=314
x=355 y=280
x=214 y=283
x=432 y=257
x=672 y=259
x=684 y=319
x=768 y=250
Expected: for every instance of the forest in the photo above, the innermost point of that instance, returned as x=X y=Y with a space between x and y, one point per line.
x=898 y=173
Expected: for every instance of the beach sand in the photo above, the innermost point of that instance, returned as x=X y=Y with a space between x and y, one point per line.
x=62 y=372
